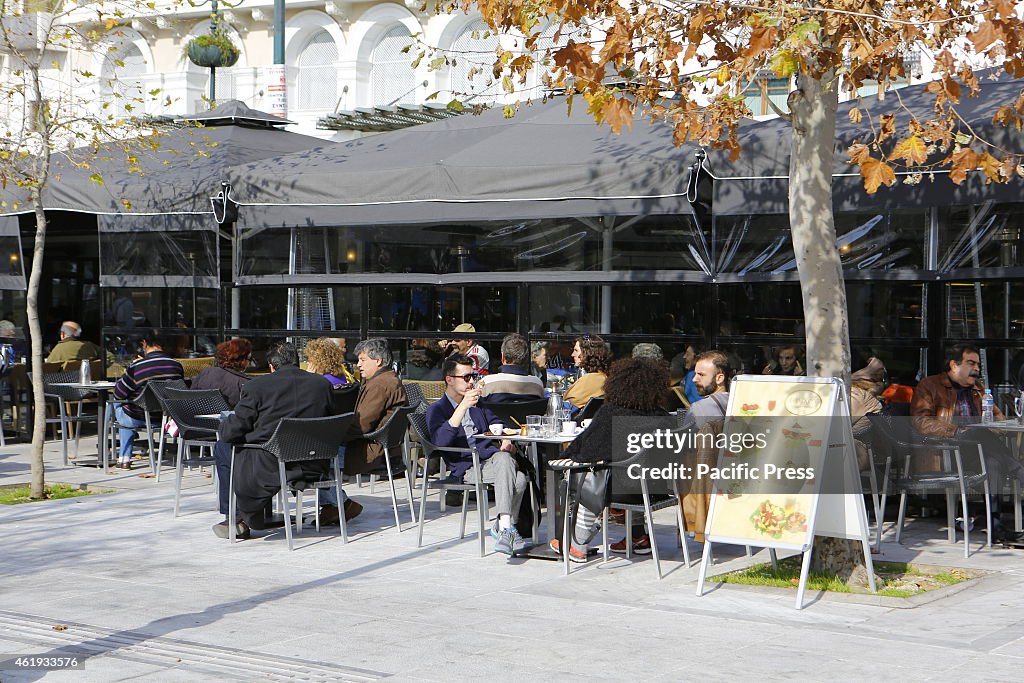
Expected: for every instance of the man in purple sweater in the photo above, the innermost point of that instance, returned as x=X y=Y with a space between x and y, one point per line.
x=155 y=365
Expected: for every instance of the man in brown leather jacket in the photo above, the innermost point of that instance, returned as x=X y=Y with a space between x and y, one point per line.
x=379 y=394
x=949 y=399
x=955 y=393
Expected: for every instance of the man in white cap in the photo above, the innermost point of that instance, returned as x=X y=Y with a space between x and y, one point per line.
x=468 y=347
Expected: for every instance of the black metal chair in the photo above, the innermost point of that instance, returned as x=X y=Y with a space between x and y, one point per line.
x=391 y=435
x=300 y=440
x=343 y=398
x=414 y=395
x=192 y=430
x=588 y=411
x=512 y=412
x=430 y=450
x=894 y=437
x=55 y=389
x=647 y=507
x=158 y=390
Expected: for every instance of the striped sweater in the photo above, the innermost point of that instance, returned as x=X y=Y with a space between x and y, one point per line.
x=154 y=366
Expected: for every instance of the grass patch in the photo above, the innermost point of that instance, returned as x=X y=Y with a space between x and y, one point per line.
x=898 y=579
x=13 y=495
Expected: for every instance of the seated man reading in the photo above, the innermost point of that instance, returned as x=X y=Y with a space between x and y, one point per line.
x=456 y=417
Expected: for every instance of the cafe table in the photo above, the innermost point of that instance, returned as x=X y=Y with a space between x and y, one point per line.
x=540 y=550
x=101 y=389
x=1013 y=427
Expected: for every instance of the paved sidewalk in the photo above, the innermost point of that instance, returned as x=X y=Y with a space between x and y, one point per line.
x=156 y=598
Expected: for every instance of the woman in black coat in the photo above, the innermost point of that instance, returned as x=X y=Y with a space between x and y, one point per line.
x=634 y=388
x=228 y=375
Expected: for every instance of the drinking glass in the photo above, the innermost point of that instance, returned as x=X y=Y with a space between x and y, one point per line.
x=1018 y=407
x=533 y=425
x=549 y=426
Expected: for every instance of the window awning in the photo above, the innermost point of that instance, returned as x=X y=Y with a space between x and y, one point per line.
x=378 y=119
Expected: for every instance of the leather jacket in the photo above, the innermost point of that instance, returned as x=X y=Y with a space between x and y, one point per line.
x=934 y=403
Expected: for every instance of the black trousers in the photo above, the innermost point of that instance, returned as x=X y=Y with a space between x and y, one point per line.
x=258 y=480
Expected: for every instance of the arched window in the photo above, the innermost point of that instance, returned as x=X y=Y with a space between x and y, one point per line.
x=317 y=78
x=392 y=79
x=473 y=55
x=122 y=83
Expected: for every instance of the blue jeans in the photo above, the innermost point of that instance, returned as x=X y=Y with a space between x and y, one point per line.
x=327 y=496
x=127 y=432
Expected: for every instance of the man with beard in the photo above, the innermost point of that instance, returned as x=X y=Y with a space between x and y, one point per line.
x=711 y=375
x=944 y=402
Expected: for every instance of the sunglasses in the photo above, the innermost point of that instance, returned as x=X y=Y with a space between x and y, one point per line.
x=469 y=377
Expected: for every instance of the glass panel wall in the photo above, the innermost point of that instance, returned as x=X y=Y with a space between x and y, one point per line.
x=986 y=236
x=440 y=309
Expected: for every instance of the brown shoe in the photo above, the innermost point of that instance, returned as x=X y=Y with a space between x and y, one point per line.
x=329 y=515
x=125 y=465
x=352 y=510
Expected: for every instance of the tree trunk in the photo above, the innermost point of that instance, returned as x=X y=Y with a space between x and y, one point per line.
x=35 y=333
x=812 y=224
x=813 y=228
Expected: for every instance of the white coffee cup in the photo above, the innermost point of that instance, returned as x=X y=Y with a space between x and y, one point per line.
x=568 y=427
x=586 y=423
x=496 y=428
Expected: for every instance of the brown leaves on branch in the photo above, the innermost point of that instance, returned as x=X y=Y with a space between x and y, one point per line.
x=710 y=57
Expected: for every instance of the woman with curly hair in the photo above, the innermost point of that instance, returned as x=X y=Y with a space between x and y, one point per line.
x=591 y=355
x=323 y=357
x=634 y=388
x=228 y=375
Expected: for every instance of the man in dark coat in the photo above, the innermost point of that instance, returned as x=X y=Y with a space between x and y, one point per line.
x=286 y=392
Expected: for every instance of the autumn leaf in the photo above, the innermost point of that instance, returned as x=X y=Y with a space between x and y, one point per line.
x=126 y=204
x=618 y=113
x=912 y=150
x=855 y=115
x=965 y=160
x=983 y=37
x=859 y=153
x=876 y=173
x=887 y=127
x=989 y=165
x=97 y=178
x=761 y=40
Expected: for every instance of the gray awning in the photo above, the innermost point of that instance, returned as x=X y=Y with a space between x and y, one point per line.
x=758 y=182
x=542 y=163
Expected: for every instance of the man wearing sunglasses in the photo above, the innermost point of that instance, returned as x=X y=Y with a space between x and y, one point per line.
x=456 y=417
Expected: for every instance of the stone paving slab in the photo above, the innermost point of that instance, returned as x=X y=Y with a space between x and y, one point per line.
x=144 y=590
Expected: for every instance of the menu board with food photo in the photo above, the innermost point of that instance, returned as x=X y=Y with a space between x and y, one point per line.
x=791 y=420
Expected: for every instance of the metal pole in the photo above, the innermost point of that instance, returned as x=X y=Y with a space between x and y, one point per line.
x=213 y=69
x=278 y=31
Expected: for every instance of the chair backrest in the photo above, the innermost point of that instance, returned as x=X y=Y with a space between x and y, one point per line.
x=184 y=411
x=414 y=393
x=204 y=400
x=418 y=421
x=160 y=387
x=504 y=411
x=392 y=432
x=151 y=399
x=193 y=366
x=343 y=398
x=298 y=439
x=588 y=411
x=67 y=394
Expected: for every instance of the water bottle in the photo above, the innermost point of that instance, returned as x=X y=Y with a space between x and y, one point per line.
x=987 y=407
x=85 y=373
